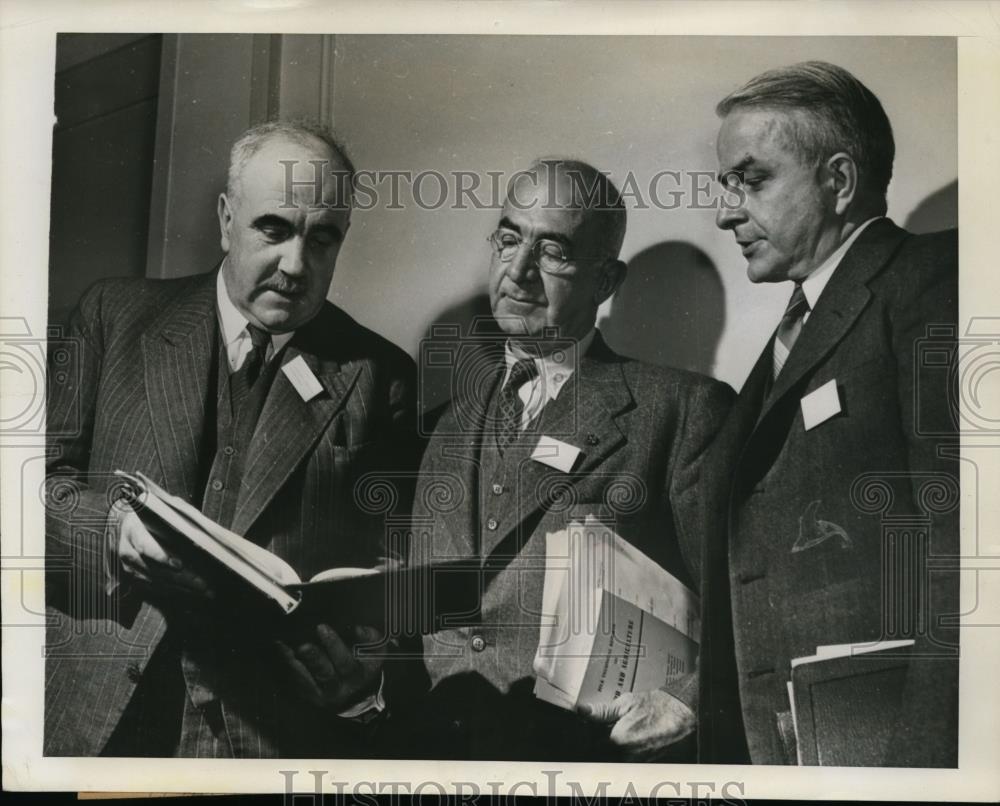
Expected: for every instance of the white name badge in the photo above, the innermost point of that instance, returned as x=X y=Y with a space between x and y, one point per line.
x=820 y=405
x=297 y=371
x=554 y=453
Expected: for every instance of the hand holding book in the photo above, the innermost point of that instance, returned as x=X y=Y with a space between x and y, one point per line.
x=144 y=558
x=328 y=672
x=264 y=589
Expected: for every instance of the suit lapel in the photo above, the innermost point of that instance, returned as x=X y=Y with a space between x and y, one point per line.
x=584 y=416
x=289 y=426
x=177 y=353
x=841 y=303
x=747 y=409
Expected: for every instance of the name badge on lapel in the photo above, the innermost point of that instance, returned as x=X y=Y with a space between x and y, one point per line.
x=820 y=404
x=297 y=371
x=554 y=453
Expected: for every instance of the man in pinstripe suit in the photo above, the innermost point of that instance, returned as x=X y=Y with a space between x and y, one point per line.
x=193 y=382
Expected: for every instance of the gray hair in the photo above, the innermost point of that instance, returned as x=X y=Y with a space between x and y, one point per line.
x=596 y=194
x=302 y=132
x=836 y=112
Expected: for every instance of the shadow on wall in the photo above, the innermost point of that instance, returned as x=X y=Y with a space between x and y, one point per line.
x=670 y=310
x=937 y=212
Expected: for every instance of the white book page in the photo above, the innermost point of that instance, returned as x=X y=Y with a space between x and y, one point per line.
x=259 y=557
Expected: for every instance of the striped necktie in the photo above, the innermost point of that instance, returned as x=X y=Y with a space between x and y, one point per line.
x=510 y=407
x=789 y=327
x=245 y=377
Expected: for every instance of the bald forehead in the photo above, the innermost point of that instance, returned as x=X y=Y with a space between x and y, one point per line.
x=305 y=171
x=552 y=187
x=548 y=205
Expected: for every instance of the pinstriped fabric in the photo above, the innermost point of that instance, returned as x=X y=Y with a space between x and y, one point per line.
x=87 y=675
x=135 y=399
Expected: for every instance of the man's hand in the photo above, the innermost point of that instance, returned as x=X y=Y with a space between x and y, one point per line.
x=142 y=557
x=644 y=724
x=328 y=673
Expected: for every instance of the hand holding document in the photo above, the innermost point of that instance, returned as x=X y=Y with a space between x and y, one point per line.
x=613 y=621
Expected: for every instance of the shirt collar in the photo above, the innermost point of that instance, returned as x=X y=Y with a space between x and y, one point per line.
x=814 y=284
x=234 y=323
x=555 y=368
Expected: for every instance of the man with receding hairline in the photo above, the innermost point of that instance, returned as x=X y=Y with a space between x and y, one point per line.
x=834 y=415
x=554 y=261
x=249 y=395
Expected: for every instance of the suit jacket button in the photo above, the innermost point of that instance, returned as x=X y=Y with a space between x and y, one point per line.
x=497 y=489
x=133 y=672
x=217 y=485
x=478 y=643
x=492 y=524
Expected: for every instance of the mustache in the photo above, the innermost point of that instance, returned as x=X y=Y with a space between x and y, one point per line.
x=283 y=285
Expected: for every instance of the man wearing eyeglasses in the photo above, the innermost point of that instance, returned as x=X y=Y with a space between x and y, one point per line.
x=550 y=428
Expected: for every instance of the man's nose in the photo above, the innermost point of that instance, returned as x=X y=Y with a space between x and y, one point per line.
x=293 y=258
x=730 y=212
x=522 y=266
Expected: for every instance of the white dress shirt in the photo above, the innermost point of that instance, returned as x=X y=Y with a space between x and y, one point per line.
x=554 y=370
x=235 y=335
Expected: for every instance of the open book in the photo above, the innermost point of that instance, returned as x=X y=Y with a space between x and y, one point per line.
x=613 y=621
x=390 y=596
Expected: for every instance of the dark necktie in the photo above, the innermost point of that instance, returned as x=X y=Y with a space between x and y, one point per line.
x=789 y=327
x=244 y=378
x=510 y=408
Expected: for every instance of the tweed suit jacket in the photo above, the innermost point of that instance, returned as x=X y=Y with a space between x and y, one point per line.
x=642 y=431
x=819 y=529
x=134 y=399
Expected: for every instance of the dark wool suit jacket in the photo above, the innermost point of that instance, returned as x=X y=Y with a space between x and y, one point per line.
x=133 y=398
x=642 y=432
x=820 y=533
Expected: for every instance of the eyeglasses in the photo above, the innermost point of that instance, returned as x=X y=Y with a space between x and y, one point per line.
x=547 y=255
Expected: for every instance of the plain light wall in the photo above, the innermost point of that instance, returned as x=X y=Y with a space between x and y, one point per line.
x=212 y=88
x=639 y=104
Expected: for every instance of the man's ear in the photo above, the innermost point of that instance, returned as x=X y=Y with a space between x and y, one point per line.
x=225 y=221
x=842 y=175
x=612 y=276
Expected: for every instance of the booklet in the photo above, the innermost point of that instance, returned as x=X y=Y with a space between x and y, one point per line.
x=844 y=702
x=613 y=621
